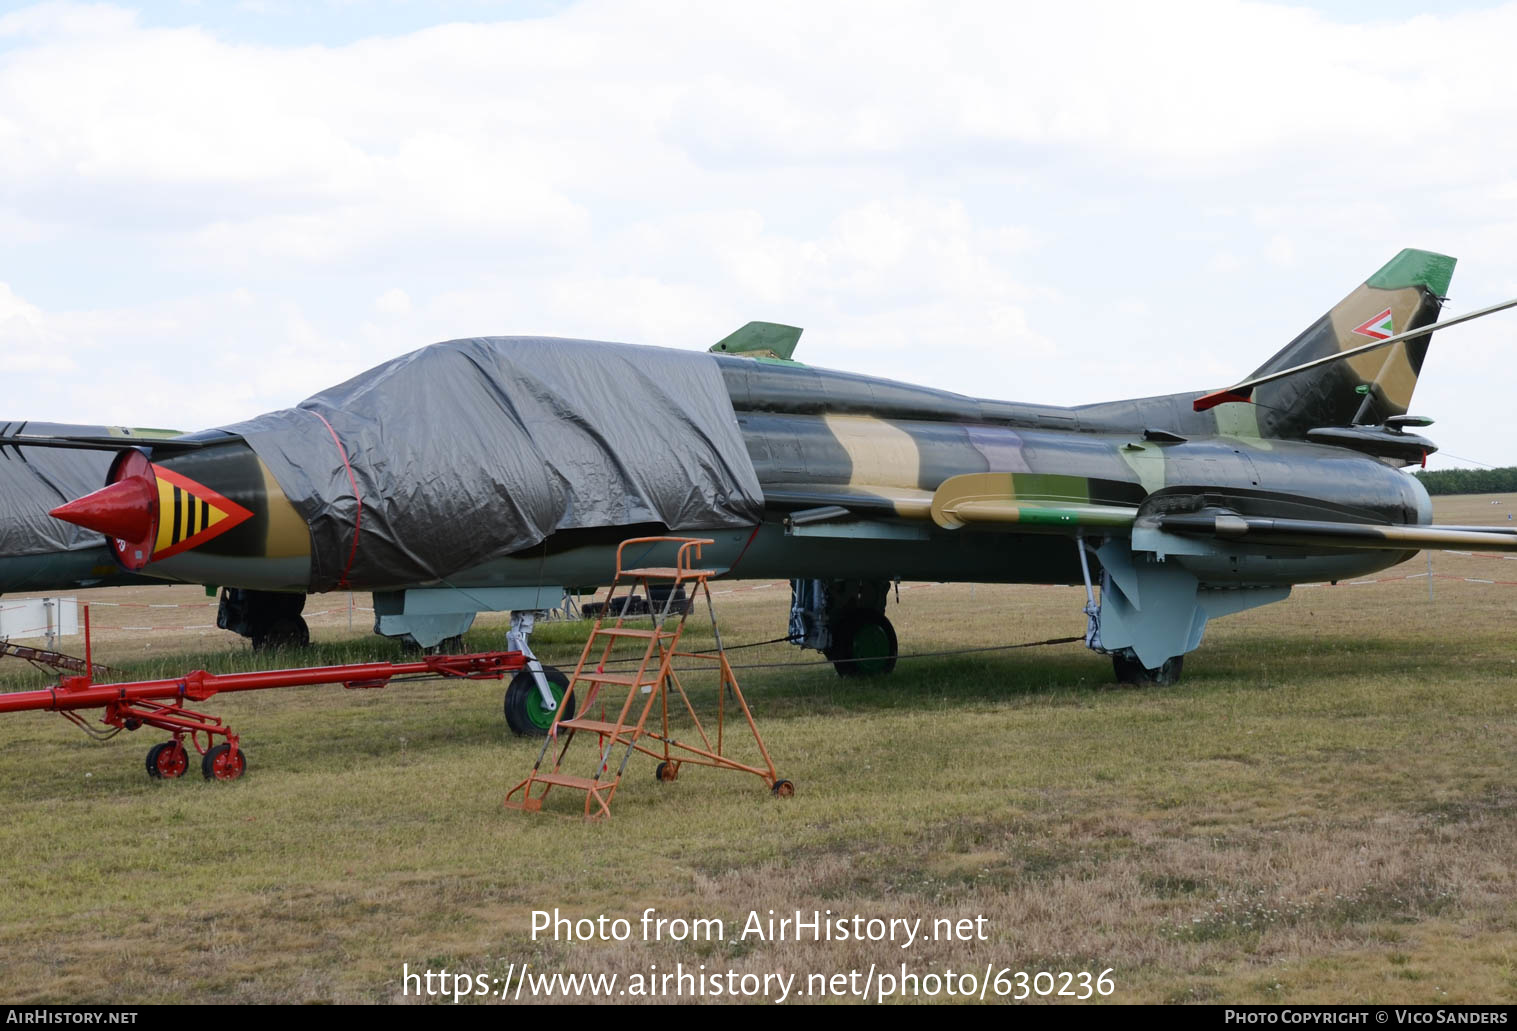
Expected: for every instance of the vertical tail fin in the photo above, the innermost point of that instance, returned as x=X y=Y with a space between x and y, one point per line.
x=1406 y=293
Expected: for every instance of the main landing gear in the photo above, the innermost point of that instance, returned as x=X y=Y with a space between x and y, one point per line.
x=1125 y=664
x=271 y=619
x=1130 y=671
x=845 y=621
x=863 y=644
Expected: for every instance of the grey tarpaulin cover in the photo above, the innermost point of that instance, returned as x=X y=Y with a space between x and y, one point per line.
x=34 y=480
x=474 y=449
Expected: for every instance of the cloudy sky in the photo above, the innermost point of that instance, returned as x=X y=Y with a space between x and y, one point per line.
x=210 y=210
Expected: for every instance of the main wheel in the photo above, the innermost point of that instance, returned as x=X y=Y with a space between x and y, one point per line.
x=284 y=632
x=525 y=713
x=863 y=644
x=221 y=763
x=167 y=760
x=782 y=789
x=666 y=772
x=447 y=646
x=1130 y=671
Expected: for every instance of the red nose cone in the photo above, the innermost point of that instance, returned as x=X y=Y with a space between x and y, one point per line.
x=123 y=510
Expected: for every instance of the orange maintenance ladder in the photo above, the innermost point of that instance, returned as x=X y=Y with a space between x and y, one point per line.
x=654 y=678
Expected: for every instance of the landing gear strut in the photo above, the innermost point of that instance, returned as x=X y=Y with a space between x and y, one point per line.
x=1125 y=664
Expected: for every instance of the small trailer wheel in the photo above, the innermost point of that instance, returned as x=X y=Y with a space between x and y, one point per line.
x=782 y=789
x=666 y=772
x=221 y=764
x=167 y=760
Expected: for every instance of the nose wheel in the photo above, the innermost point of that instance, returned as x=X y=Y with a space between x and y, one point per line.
x=526 y=714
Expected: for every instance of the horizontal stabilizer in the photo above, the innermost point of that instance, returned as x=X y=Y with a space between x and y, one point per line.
x=110 y=443
x=1317 y=533
x=1207 y=402
x=1244 y=391
x=1042 y=504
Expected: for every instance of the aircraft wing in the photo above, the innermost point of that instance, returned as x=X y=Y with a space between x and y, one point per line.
x=870 y=501
x=1062 y=505
x=1036 y=504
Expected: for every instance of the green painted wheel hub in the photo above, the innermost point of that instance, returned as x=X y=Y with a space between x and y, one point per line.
x=871 y=647
x=538 y=713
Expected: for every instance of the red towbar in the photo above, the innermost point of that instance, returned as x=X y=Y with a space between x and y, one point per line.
x=160 y=703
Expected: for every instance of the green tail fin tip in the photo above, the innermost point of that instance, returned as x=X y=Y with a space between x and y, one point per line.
x=760 y=339
x=1415 y=268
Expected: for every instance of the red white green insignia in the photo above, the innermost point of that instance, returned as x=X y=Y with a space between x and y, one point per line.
x=1379 y=326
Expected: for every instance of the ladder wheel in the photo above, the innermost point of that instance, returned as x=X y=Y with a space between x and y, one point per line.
x=863 y=644
x=666 y=772
x=221 y=763
x=782 y=789
x=525 y=713
x=1131 y=671
x=167 y=761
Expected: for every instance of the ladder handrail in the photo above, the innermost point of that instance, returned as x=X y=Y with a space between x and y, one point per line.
x=681 y=558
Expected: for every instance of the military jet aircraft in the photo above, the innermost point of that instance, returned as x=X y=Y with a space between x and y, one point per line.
x=494 y=473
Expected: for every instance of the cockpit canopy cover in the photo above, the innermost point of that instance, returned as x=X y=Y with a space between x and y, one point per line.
x=471 y=450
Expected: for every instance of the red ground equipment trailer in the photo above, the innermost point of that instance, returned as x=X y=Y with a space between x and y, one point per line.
x=161 y=703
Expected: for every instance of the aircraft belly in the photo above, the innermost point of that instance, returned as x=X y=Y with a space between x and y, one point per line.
x=63 y=570
x=772 y=554
x=254 y=572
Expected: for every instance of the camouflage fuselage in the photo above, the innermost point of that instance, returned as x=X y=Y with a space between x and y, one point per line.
x=880 y=448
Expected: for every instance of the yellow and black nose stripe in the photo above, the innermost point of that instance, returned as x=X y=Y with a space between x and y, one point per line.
x=190 y=513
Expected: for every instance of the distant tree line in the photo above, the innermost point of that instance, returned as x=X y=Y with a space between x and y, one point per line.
x=1469 y=481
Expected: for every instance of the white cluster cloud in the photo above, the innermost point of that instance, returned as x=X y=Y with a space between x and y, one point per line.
x=1058 y=203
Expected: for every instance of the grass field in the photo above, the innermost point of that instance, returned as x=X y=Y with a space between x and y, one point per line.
x=1322 y=811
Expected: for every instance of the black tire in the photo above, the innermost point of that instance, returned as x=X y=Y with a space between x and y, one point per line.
x=284 y=632
x=666 y=772
x=782 y=789
x=525 y=714
x=1130 y=671
x=863 y=644
x=220 y=763
x=161 y=765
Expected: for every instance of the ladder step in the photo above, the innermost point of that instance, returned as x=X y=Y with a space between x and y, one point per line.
x=613 y=678
x=667 y=573
x=566 y=781
x=621 y=631
x=599 y=726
